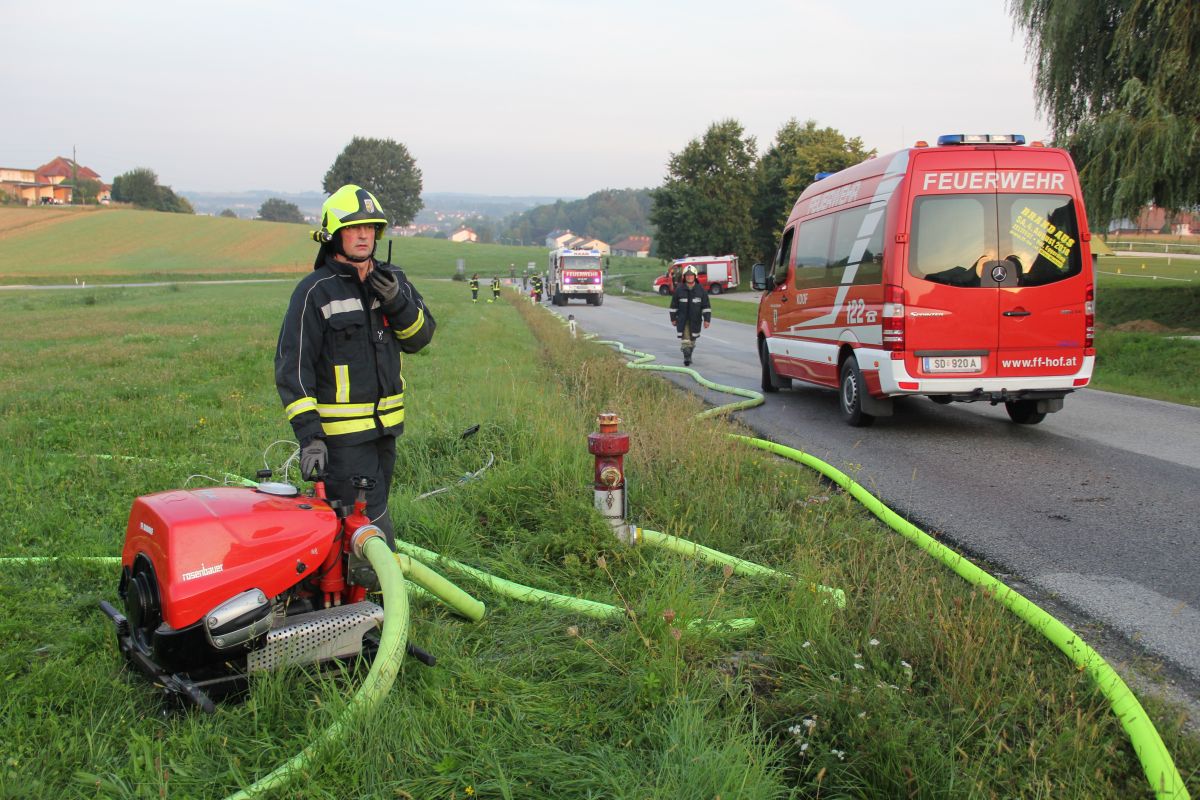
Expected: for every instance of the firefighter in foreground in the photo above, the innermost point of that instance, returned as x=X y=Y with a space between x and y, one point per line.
x=337 y=366
x=475 y=288
x=689 y=310
x=537 y=288
x=495 y=289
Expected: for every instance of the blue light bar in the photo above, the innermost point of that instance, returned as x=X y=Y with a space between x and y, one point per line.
x=820 y=176
x=980 y=138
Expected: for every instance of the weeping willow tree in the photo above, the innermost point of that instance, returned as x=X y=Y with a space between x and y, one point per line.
x=1120 y=83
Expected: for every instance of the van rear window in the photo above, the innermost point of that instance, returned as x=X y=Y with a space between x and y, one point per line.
x=989 y=240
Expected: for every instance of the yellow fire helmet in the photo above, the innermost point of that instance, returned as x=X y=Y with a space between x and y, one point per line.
x=690 y=269
x=350 y=205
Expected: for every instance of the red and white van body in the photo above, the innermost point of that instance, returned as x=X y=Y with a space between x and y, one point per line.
x=716 y=274
x=961 y=272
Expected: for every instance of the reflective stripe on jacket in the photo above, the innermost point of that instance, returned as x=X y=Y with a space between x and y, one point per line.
x=337 y=364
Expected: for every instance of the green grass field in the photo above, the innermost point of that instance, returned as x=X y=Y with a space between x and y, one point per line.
x=921 y=687
x=121 y=245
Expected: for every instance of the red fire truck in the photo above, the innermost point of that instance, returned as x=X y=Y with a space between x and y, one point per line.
x=715 y=273
x=576 y=273
x=961 y=272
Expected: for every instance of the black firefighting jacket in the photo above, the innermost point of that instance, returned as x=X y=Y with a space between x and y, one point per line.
x=690 y=306
x=337 y=365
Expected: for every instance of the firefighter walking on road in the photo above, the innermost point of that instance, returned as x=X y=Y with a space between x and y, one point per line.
x=337 y=364
x=475 y=288
x=495 y=289
x=690 y=310
x=537 y=288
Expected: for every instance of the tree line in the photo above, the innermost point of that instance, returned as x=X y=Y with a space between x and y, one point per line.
x=721 y=197
x=1118 y=81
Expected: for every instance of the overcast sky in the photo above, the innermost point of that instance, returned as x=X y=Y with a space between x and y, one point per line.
x=530 y=97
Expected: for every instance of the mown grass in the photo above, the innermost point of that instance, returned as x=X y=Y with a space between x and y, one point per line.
x=119 y=245
x=921 y=687
x=1147 y=272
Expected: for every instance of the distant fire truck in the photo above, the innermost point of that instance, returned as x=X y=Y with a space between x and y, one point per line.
x=715 y=273
x=576 y=273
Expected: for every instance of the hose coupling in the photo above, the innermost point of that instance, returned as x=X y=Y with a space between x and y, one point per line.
x=358 y=539
x=610 y=477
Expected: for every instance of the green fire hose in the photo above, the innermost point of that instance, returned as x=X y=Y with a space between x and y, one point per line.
x=528 y=594
x=1152 y=753
x=379 y=680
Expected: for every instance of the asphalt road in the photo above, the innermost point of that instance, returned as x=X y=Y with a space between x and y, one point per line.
x=1098 y=507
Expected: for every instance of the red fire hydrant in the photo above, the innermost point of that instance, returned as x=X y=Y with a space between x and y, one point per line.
x=609 y=446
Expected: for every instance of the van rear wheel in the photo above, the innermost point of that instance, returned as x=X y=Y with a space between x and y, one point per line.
x=1024 y=412
x=715 y=288
x=850 y=395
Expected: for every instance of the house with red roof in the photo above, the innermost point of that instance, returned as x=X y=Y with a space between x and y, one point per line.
x=50 y=184
x=638 y=246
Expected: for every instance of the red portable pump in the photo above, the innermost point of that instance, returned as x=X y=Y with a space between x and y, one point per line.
x=222 y=582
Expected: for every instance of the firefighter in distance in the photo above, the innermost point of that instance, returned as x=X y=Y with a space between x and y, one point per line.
x=690 y=310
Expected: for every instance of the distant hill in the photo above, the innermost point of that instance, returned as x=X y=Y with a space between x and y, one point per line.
x=246 y=204
x=609 y=214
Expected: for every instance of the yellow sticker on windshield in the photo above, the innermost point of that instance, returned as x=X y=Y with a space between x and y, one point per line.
x=1051 y=243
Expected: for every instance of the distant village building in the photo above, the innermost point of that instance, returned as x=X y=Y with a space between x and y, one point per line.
x=557 y=239
x=417 y=229
x=584 y=243
x=1153 y=219
x=637 y=246
x=51 y=183
x=464 y=235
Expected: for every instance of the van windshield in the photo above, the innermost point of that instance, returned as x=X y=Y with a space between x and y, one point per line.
x=988 y=240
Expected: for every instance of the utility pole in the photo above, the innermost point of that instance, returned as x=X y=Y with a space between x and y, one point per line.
x=74 y=175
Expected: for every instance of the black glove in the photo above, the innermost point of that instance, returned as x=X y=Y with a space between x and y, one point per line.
x=313 y=458
x=386 y=286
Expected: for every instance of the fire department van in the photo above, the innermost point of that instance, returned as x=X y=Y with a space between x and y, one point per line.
x=576 y=273
x=961 y=272
x=715 y=273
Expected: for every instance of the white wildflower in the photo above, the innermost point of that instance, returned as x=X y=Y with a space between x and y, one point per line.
x=874 y=643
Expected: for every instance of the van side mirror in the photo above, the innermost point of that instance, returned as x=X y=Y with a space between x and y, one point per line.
x=760 y=279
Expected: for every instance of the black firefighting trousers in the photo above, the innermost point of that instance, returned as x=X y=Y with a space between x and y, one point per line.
x=375 y=459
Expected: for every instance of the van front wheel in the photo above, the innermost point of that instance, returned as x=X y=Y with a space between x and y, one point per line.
x=1024 y=412
x=663 y=290
x=771 y=382
x=851 y=393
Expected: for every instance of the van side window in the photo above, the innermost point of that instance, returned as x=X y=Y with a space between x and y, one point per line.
x=853 y=225
x=784 y=257
x=812 y=251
